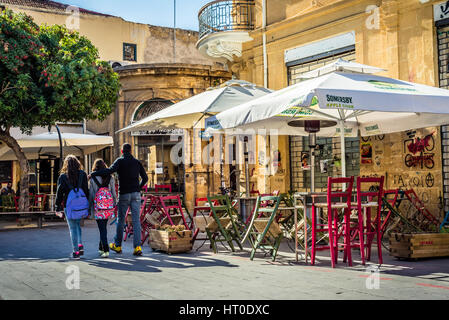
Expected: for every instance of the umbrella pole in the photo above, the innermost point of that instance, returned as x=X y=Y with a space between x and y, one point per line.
x=246 y=170
x=343 y=149
x=312 y=145
x=312 y=169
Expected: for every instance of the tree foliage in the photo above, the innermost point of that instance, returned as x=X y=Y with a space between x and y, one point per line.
x=49 y=74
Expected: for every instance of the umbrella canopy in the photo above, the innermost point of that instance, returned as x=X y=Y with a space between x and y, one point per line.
x=341 y=65
x=190 y=113
x=365 y=102
x=47 y=144
x=345 y=101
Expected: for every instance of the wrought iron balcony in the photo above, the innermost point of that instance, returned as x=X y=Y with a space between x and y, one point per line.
x=226 y=15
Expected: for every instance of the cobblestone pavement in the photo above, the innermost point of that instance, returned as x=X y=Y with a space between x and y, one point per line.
x=35 y=264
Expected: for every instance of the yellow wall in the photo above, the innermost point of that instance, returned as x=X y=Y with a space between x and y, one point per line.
x=392 y=159
x=108 y=33
x=404 y=43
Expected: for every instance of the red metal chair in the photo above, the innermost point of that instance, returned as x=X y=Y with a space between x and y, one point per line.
x=392 y=197
x=364 y=228
x=427 y=218
x=39 y=202
x=145 y=224
x=171 y=207
x=162 y=187
x=336 y=199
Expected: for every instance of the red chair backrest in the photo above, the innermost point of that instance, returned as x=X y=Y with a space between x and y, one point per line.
x=345 y=196
x=162 y=187
x=370 y=193
x=256 y=192
x=40 y=200
x=204 y=202
x=171 y=202
x=198 y=200
x=144 y=202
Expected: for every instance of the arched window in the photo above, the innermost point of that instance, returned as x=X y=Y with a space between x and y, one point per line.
x=149 y=107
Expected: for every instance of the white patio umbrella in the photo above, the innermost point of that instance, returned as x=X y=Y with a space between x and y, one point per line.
x=341 y=65
x=345 y=102
x=190 y=113
x=47 y=144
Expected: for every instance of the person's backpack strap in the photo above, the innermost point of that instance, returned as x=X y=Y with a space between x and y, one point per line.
x=96 y=181
x=80 y=180
x=103 y=184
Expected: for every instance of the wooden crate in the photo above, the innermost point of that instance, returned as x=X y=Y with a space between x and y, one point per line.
x=419 y=245
x=170 y=242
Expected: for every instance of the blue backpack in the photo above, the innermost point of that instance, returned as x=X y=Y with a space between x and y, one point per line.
x=77 y=204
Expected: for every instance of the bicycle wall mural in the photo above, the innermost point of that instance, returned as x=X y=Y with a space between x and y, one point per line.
x=408 y=160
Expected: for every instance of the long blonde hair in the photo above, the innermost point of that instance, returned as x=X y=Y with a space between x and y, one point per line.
x=71 y=167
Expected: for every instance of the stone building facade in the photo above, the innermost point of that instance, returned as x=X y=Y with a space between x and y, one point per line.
x=407 y=38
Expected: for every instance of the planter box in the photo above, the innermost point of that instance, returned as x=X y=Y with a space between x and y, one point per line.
x=171 y=242
x=419 y=245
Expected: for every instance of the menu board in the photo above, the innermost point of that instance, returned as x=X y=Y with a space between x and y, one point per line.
x=5 y=171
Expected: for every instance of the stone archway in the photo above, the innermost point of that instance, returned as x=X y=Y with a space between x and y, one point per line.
x=149 y=107
x=153 y=148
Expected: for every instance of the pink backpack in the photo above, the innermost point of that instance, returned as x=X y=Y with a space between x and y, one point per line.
x=103 y=203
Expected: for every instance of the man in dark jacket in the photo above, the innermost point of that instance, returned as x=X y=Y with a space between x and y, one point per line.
x=128 y=169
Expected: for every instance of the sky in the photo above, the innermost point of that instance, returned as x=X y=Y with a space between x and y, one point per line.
x=154 y=12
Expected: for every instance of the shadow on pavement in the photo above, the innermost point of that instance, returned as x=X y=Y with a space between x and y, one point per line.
x=150 y=262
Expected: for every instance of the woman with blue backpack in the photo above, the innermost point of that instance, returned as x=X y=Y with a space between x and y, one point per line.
x=102 y=201
x=71 y=196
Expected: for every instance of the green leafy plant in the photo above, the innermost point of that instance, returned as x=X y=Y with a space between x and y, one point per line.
x=48 y=74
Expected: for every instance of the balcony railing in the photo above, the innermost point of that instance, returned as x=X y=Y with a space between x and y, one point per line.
x=226 y=15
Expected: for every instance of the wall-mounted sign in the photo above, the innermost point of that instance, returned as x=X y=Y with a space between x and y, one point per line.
x=441 y=10
x=366 y=153
x=159 y=168
x=276 y=158
x=305 y=160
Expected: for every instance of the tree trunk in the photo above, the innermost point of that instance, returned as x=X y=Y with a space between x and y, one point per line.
x=24 y=203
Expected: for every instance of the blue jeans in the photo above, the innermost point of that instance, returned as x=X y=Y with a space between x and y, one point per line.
x=128 y=200
x=75 y=233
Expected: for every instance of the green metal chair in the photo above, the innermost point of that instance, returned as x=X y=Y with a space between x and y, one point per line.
x=264 y=231
x=8 y=203
x=223 y=225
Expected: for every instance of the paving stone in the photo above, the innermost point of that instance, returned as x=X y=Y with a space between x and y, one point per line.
x=39 y=272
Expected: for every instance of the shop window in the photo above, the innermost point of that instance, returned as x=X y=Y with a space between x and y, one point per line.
x=129 y=52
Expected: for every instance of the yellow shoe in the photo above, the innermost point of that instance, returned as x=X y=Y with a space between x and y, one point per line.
x=115 y=248
x=137 y=251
